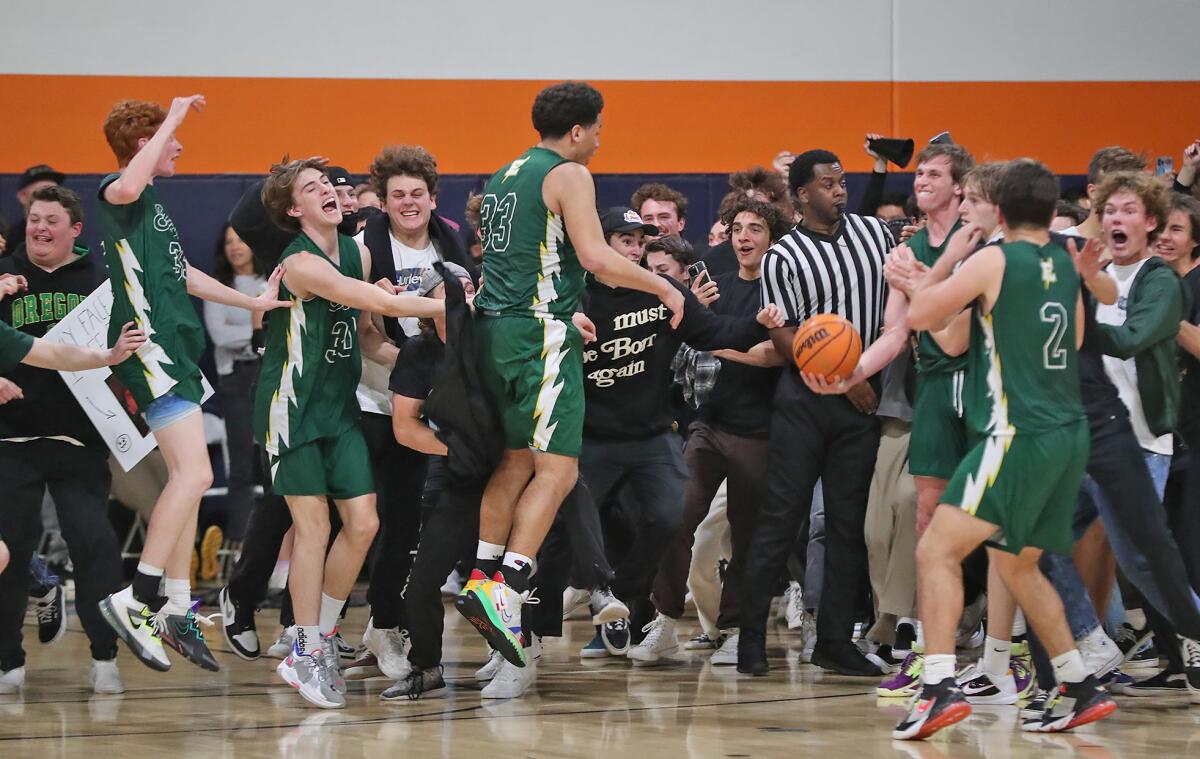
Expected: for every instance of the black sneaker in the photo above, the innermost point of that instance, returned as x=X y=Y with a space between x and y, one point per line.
x=1190 y=649
x=752 y=655
x=615 y=636
x=936 y=707
x=845 y=659
x=418 y=683
x=182 y=633
x=1077 y=704
x=51 y=616
x=1163 y=684
x=1130 y=639
x=239 y=629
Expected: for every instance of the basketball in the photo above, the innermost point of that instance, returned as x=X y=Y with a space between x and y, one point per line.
x=827 y=345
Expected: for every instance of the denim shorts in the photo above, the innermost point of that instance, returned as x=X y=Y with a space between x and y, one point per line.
x=167 y=409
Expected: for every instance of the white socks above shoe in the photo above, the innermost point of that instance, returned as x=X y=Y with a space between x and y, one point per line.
x=1069 y=667
x=279 y=575
x=1019 y=627
x=331 y=609
x=995 y=656
x=179 y=595
x=308 y=639
x=486 y=551
x=518 y=561
x=938 y=667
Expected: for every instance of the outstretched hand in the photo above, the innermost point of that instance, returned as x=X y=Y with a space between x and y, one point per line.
x=1088 y=260
x=181 y=105
x=269 y=298
x=129 y=341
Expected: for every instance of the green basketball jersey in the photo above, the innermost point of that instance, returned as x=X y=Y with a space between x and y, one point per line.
x=311 y=366
x=1022 y=377
x=930 y=356
x=149 y=286
x=529 y=265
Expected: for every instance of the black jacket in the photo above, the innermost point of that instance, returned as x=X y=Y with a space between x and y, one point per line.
x=48 y=408
x=377 y=238
x=462 y=410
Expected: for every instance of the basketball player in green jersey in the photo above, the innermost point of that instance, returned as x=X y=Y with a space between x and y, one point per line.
x=540 y=232
x=1016 y=489
x=306 y=412
x=151 y=284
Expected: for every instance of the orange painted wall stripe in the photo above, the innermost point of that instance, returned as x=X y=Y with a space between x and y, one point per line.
x=650 y=127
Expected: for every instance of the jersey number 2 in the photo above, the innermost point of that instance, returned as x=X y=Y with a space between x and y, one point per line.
x=343 y=341
x=496 y=215
x=1054 y=356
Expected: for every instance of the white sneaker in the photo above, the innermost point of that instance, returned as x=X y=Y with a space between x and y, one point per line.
x=981 y=687
x=606 y=607
x=659 y=641
x=488 y=671
x=104 y=677
x=312 y=677
x=727 y=653
x=512 y=681
x=808 y=637
x=1100 y=654
x=793 y=605
x=135 y=624
x=282 y=647
x=703 y=643
x=12 y=681
x=390 y=647
x=575 y=602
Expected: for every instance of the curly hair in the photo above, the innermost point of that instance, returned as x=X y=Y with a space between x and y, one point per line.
x=1155 y=198
x=759 y=180
x=277 y=190
x=661 y=193
x=560 y=107
x=403 y=161
x=128 y=122
x=777 y=223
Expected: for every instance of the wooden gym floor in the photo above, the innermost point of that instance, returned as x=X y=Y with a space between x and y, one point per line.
x=687 y=708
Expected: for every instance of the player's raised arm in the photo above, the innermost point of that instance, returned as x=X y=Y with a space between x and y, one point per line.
x=310 y=273
x=145 y=164
x=935 y=305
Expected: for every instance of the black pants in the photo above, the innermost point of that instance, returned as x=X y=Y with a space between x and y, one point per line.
x=1182 y=503
x=235 y=391
x=78 y=480
x=813 y=438
x=399 y=483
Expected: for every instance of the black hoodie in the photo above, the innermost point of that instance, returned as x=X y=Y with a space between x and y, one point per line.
x=48 y=408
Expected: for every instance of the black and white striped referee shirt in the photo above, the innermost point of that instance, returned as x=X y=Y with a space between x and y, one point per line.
x=807 y=273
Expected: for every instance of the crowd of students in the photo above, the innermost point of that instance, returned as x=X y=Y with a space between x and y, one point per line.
x=418 y=392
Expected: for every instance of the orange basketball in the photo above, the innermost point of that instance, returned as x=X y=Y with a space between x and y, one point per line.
x=827 y=345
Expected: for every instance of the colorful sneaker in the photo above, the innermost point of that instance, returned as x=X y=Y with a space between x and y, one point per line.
x=983 y=688
x=938 y=706
x=495 y=610
x=1163 y=684
x=615 y=635
x=595 y=649
x=51 y=616
x=283 y=644
x=182 y=633
x=1021 y=663
x=312 y=676
x=1078 y=704
x=703 y=643
x=905 y=683
x=239 y=629
x=606 y=607
x=334 y=662
x=135 y=624
x=418 y=683
x=1037 y=704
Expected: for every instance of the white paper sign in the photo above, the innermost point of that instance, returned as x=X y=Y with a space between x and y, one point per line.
x=125 y=433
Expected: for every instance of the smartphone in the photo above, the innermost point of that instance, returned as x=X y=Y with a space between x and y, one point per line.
x=896 y=226
x=698 y=270
x=1164 y=165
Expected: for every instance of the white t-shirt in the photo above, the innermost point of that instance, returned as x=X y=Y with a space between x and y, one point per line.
x=373 y=393
x=1124 y=373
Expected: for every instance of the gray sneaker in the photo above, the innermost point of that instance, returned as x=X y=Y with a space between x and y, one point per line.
x=418 y=683
x=313 y=676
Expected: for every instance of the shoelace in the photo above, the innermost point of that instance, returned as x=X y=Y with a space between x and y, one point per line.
x=619 y=624
x=400 y=639
x=1126 y=635
x=1191 y=652
x=654 y=631
x=45 y=613
x=416 y=684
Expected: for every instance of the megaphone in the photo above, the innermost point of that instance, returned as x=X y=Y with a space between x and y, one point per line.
x=899 y=152
x=942 y=139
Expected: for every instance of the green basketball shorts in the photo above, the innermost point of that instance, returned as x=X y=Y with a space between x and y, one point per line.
x=939 y=433
x=533 y=366
x=338 y=467
x=1026 y=485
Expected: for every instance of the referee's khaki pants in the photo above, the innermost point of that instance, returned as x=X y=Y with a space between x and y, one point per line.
x=890 y=531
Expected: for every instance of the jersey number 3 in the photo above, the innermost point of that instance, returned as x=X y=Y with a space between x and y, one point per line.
x=1054 y=356
x=496 y=215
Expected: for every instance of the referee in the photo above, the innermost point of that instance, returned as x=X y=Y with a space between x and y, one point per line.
x=832 y=262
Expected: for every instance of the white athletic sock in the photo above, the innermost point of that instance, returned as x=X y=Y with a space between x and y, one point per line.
x=149 y=569
x=486 y=551
x=1019 y=627
x=938 y=667
x=179 y=595
x=279 y=575
x=308 y=639
x=1069 y=667
x=995 y=656
x=330 y=609
x=1136 y=618
x=517 y=561
x=919 y=646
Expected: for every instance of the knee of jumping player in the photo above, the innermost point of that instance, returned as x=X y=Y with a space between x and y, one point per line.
x=360 y=529
x=312 y=530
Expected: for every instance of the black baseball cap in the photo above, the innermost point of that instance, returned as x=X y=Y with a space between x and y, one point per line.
x=339 y=177
x=38 y=173
x=624 y=219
